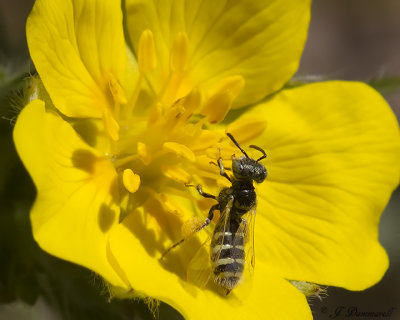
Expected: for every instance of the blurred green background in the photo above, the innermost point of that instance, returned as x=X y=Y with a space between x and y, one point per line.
x=348 y=39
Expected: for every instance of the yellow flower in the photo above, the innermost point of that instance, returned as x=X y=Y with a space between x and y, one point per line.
x=118 y=135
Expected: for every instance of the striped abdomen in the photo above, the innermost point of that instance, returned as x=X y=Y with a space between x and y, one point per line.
x=227 y=257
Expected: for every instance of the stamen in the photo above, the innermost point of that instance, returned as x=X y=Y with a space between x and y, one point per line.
x=111 y=125
x=147 y=62
x=169 y=205
x=217 y=106
x=116 y=90
x=180 y=150
x=178 y=63
x=206 y=139
x=124 y=160
x=177 y=174
x=191 y=102
x=132 y=102
x=179 y=53
x=221 y=98
x=155 y=115
x=130 y=180
x=143 y=153
x=172 y=116
x=179 y=112
x=147 y=58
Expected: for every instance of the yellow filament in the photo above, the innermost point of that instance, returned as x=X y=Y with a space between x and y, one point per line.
x=155 y=115
x=130 y=180
x=132 y=102
x=111 y=125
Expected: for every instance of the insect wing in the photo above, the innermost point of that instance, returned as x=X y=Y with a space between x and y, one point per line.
x=219 y=233
x=200 y=270
x=245 y=238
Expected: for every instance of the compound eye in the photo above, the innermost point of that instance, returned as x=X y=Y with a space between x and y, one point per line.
x=262 y=175
x=237 y=167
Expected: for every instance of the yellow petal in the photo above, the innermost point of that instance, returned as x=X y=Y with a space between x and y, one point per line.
x=75 y=46
x=76 y=205
x=132 y=244
x=333 y=161
x=259 y=40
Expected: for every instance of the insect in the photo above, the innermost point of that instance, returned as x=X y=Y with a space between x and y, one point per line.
x=234 y=230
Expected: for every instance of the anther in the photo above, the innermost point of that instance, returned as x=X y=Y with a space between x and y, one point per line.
x=221 y=98
x=147 y=58
x=217 y=106
x=180 y=150
x=169 y=205
x=177 y=174
x=191 y=102
x=130 y=180
x=116 y=90
x=143 y=153
x=179 y=53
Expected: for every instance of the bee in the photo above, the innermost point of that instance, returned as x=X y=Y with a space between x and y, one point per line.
x=235 y=227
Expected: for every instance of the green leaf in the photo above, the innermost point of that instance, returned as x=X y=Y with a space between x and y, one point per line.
x=386 y=85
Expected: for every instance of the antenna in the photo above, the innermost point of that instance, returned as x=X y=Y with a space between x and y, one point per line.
x=261 y=150
x=237 y=144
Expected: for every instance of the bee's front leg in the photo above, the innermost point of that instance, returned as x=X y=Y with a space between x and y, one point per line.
x=222 y=169
x=212 y=209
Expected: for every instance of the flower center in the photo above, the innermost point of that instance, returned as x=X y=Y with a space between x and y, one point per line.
x=158 y=136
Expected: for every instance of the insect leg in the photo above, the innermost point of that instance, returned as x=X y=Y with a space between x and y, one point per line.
x=204 y=194
x=205 y=224
x=222 y=170
x=209 y=218
x=217 y=165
